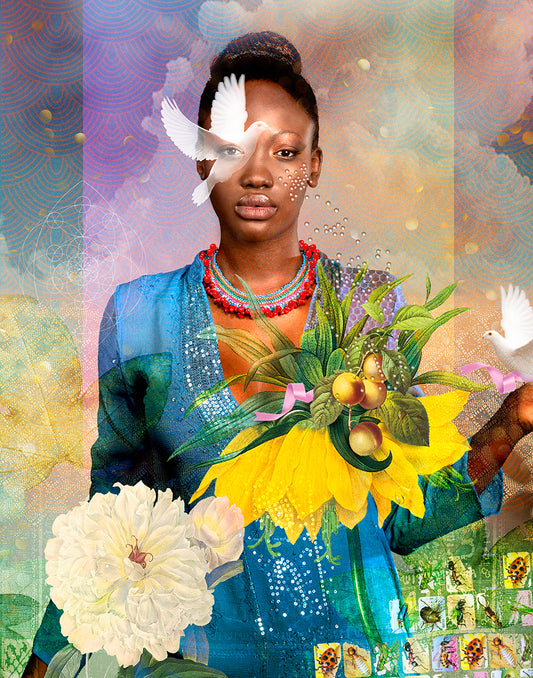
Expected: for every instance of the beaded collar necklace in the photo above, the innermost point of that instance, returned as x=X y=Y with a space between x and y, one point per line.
x=281 y=301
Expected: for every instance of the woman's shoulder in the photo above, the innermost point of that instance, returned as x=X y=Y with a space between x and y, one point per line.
x=158 y=285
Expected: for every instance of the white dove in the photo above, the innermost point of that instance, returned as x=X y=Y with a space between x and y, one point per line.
x=227 y=142
x=515 y=350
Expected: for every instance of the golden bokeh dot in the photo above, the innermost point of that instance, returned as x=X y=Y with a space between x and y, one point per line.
x=419 y=189
x=465 y=216
x=411 y=224
x=515 y=129
x=471 y=247
x=45 y=115
x=48 y=150
x=502 y=138
x=126 y=139
x=525 y=116
x=492 y=295
x=37 y=25
x=43 y=212
x=80 y=138
x=527 y=137
x=363 y=65
x=49 y=133
x=8 y=39
x=21 y=544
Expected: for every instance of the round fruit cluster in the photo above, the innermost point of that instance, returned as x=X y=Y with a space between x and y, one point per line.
x=369 y=392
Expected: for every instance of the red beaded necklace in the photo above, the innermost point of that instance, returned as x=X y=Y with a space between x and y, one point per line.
x=281 y=301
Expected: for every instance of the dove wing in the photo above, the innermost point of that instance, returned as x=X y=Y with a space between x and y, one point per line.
x=228 y=112
x=192 y=140
x=517 y=317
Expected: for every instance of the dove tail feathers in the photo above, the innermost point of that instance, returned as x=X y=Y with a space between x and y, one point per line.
x=201 y=193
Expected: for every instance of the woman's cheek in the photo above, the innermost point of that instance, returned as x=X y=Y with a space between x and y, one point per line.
x=296 y=181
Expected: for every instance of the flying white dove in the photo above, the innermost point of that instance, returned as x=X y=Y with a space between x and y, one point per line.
x=227 y=143
x=515 y=350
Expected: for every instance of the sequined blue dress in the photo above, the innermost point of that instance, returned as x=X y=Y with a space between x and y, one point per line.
x=267 y=620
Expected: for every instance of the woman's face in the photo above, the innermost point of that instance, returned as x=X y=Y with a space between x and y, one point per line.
x=262 y=199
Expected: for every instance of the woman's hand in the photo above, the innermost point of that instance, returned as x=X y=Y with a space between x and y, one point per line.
x=492 y=444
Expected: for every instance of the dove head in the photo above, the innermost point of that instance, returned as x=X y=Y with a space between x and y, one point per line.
x=494 y=337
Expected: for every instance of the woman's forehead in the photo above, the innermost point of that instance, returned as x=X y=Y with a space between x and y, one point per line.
x=268 y=102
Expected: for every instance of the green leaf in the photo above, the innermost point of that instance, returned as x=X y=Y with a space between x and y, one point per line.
x=396 y=369
x=413 y=348
x=217 y=430
x=374 y=311
x=406 y=418
x=279 y=428
x=441 y=297
x=346 y=303
x=309 y=370
x=330 y=301
x=101 y=665
x=428 y=286
x=153 y=374
x=309 y=341
x=449 y=379
x=278 y=338
x=16 y=608
x=339 y=434
x=178 y=668
x=335 y=362
x=65 y=663
x=324 y=337
x=219 y=386
x=356 y=352
x=267 y=360
x=411 y=317
x=379 y=293
x=325 y=408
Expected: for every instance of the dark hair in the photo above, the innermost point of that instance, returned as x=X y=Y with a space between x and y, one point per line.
x=261 y=56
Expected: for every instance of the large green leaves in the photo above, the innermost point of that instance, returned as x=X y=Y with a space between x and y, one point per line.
x=396 y=369
x=331 y=304
x=406 y=418
x=217 y=430
x=65 y=663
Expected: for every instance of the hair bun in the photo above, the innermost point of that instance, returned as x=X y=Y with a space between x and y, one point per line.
x=265 y=44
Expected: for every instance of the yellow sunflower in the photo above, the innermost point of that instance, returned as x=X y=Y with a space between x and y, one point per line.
x=291 y=477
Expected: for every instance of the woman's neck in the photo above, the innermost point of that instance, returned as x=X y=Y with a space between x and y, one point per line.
x=265 y=266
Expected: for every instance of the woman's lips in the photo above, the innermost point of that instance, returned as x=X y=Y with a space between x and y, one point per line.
x=255 y=207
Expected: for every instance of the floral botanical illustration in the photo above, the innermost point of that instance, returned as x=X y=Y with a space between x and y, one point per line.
x=356 y=426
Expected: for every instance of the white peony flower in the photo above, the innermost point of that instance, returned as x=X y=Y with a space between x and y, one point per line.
x=218 y=529
x=127 y=575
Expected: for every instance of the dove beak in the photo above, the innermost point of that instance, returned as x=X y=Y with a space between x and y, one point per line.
x=255 y=207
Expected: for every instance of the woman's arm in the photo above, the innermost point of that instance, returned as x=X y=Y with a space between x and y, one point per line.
x=492 y=444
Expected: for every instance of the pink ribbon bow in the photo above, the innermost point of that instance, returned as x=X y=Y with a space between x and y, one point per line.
x=504 y=383
x=293 y=393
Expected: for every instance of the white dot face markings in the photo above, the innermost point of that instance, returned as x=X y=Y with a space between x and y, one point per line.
x=297 y=181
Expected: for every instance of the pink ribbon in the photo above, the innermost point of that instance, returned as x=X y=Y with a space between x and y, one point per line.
x=504 y=383
x=293 y=393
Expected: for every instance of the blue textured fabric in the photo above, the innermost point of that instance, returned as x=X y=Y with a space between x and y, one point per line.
x=267 y=619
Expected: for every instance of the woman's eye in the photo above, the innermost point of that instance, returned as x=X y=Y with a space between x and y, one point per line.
x=229 y=151
x=286 y=153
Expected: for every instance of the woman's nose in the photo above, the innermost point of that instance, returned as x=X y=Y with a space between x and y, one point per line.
x=256 y=173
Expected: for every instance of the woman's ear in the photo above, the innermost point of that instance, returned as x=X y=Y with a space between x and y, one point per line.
x=316 y=167
x=202 y=169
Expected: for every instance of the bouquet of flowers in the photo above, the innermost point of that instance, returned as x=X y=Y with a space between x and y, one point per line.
x=131 y=571
x=347 y=424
